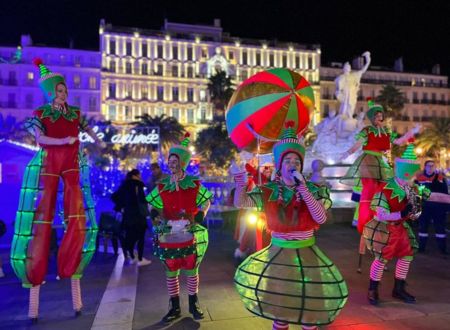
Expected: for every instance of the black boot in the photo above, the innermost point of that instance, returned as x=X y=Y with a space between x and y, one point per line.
x=194 y=307
x=399 y=292
x=372 y=295
x=174 y=311
x=442 y=244
x=422 y=243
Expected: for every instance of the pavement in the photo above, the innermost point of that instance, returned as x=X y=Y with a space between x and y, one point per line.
x=118 y=296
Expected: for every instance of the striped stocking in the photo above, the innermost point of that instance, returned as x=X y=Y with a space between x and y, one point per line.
x=192 y=283
x=33 y=309
x=376 y=270
x=76 y=294
x=173 y=286
x=401 y=269
x=278 y=325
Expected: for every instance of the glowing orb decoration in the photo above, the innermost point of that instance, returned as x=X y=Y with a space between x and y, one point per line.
x=262 y=104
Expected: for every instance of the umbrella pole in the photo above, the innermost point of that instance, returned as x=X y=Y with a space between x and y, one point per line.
x=258 y=141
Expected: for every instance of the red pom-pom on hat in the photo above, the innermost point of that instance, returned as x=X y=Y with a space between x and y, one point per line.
x=37 y=61
x=187 y=134
x=289 y=123
x=369 y=99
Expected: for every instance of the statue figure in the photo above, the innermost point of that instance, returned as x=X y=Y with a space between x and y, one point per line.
x=327 y=131
x=347 y=86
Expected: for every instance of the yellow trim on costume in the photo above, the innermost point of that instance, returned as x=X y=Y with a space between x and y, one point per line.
x=43 y=222
x=70 y=170
x=50 y=174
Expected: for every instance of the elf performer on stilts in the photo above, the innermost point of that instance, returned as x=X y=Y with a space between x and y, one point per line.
x=56 y=126
x=181 y=242
x=291 y=280
x=371 y=167
x=388 y=235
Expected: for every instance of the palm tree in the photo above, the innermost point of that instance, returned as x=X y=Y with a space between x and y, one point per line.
x=435 y=138
x=170 y=130
x=392 y=99
x=214 y=145
x=220 y=89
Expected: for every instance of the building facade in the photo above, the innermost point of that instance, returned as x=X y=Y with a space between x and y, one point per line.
x=19 y=87
x=166 y=71
x=428 y=95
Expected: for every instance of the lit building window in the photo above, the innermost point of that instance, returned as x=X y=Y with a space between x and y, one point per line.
x=175 y=95
x=112 y=66
x=144 y=68
x=160 y=93
x=129 y=49
x=202 y=96
x=175 y=71
x=76 y=81
x=128 y=68
x=190 y=95
x=144 y=50
x=176 y=113
x=112 y=114
x=112 y=48
x=92 y=82
x=77 y=101
x=175 y=52
x=189 y=53
x=190 y=72
x=92 y=104
x=30 y=76
x=190 y=116
x=159 y=53
x=271 y=60
x=112 y=90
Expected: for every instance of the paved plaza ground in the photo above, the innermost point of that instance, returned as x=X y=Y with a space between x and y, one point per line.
x=117 y=296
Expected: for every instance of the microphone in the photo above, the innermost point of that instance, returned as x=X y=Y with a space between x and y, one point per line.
x=296 y=175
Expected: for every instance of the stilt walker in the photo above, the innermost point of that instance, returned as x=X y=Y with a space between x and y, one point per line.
x=291 y=281
x=388 y=235
x=371 y=169
x=56 y=126
x=181 y=241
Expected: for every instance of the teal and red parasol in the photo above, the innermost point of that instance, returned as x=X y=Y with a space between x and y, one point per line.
x=261 y=105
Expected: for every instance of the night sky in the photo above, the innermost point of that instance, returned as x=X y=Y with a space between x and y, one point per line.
x=418 y=31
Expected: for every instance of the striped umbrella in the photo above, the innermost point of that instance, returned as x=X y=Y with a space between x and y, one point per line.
x=262 y=104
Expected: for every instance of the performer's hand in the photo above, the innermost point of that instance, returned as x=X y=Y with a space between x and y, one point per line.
x=234 y=168
x=366 y=54
x=416 y=129
x=70 y=140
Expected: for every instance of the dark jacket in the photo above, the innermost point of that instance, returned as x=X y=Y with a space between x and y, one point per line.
x=127 y=198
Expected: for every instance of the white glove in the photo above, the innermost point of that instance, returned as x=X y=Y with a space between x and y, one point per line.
x=235 y=168
x=416 y=129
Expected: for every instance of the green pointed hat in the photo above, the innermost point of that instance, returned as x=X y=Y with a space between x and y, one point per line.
x=373 y=109
x=48 y=80
x=182 y=152
x=288 y=143
x=407 y=165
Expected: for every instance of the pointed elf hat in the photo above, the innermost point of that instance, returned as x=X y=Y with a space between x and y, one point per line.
x=48 y=80
x=288 y=143
x=182 y=152
x=407 y=165
x=373 y=109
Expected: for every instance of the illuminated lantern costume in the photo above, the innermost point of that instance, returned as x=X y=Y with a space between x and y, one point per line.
x=31 y=242
x=290 y=281
x=182 y=240
x=388 y=235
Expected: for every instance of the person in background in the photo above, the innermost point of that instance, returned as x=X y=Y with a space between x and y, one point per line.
x=156 y=176
x=432 y=211
x=131 y=200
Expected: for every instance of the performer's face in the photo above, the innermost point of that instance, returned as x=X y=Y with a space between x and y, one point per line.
x=174 y=164
x=290 y=162
x=378 y=119
x=61 y=94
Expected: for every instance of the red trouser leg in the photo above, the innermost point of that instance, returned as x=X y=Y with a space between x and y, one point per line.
x=369 y=188
x=39 y=246
x=69 y=254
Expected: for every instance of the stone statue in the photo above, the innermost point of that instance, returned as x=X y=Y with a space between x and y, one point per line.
x=347 y=86
x=326 y=132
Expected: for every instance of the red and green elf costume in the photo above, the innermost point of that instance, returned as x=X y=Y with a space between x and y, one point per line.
x=291 y=280
x=388 y=235
x=180 y=200
x=33 y=226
